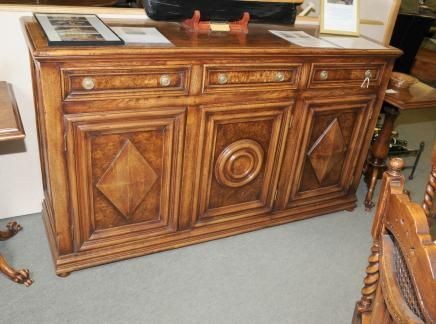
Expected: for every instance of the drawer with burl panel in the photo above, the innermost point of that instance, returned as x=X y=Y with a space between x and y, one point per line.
x=106 y=82
x=249 y=77
x=348 y=75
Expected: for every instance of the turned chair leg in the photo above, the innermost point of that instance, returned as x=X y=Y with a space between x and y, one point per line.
x=19 y=276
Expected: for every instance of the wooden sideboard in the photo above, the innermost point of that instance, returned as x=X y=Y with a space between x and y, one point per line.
x=145 y=149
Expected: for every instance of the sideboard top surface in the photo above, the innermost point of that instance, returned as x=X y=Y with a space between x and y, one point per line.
x=258 y=41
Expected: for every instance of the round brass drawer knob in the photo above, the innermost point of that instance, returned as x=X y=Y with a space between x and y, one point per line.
x=165 y=80
x=223 y=78
x=88 y=83
x=368 y=74
x=280 y=77
x=324 y=75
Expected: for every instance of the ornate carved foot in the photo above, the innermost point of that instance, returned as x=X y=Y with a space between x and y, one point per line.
x=13 y=228
x=19 y=276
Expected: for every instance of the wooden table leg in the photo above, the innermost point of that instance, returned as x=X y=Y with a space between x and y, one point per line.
x=18 y=276
x=378 y=153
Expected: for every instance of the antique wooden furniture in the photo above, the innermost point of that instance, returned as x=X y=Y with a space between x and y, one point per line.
x=428 y=204
x=400 y=285
x=148 y=148
x=11 y=128
x=424 y=66
x=417 y=96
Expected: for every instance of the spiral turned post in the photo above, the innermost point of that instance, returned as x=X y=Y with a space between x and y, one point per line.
x=429 y=193
x=371 y=280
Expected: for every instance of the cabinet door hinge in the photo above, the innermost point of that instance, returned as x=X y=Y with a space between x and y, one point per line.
x=276 y=193
x=65 y=141
x=371 y=111
x=65 y=138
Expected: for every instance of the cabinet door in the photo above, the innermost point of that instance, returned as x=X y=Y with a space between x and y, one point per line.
x=323 y=149
x=124 y=171
x=239 y=150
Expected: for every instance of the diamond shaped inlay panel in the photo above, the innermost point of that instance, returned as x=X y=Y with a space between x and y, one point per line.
x=327 y=151
x=128 y=180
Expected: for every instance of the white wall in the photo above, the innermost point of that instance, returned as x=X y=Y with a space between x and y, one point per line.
x=20 y=175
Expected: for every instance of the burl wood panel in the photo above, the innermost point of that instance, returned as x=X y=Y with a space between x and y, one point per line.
x=330 y=75
x=239 y=151
x=124 y=164
x=149 y=148
x=334 y=129
x=103 y=82
x=250 y=76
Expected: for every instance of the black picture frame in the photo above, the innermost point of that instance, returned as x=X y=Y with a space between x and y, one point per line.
x=63 y=29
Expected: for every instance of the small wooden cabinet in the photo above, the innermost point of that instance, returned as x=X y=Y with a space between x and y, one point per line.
x=145 y=149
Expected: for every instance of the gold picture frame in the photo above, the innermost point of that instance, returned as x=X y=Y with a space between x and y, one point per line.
x=340 y=17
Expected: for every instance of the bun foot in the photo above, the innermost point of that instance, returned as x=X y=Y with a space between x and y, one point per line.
x=63 y=274
x=19 y=276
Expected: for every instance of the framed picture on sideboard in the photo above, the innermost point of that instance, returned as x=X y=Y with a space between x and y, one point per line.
x=341 y=17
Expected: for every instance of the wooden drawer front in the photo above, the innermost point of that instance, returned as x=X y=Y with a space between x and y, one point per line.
x=238 y=152
x=251 y=77
x=124 y=175
x=102 y=83
x=345 y=75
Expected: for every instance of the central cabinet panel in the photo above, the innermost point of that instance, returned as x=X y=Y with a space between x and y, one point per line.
x=239 y=151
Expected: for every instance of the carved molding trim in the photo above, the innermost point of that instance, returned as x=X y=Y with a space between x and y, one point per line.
x=128 y=180
x=328 y=150
x=239 y=163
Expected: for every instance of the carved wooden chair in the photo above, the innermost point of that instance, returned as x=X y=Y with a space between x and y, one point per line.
x=400 y=285
x=428 y=203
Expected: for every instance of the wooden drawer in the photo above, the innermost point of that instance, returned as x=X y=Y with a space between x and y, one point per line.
x=250 y=77
x=333 y=75
x=104 y=83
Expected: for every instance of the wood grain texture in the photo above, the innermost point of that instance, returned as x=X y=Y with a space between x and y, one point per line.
x=404 y=289
x=11 y=127
x=417 y=96
x=236 y=140
x=428 y=204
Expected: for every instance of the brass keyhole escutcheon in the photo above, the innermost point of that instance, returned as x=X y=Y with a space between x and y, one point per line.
x=368 y=74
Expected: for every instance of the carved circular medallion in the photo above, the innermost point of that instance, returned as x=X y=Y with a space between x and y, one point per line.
x=239 y=163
